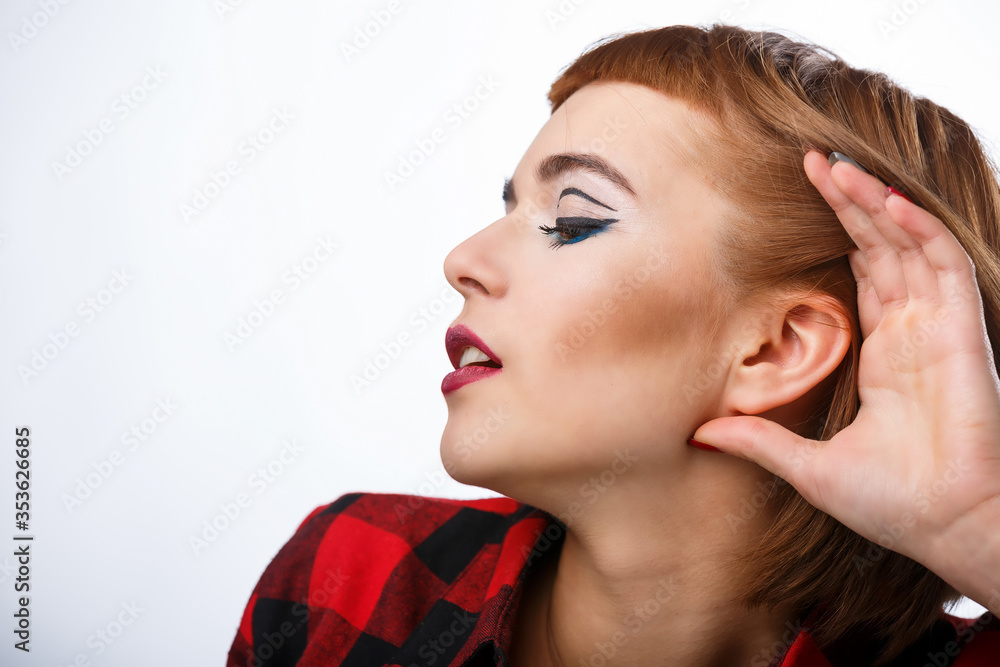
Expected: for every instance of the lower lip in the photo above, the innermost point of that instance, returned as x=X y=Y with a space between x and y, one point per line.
x=464 y=376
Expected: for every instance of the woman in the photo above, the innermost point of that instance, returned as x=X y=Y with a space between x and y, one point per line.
x=680 y=264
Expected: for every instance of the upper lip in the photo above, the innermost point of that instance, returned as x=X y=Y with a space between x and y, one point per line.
x=460 y=337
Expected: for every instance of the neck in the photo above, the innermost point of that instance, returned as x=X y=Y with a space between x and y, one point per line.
x=646 y=579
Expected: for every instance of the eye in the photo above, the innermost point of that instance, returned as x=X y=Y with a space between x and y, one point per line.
x=574 y=229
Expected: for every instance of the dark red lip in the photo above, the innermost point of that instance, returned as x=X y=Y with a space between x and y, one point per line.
x=455 y=340
x=460 y=337
x=463 y=376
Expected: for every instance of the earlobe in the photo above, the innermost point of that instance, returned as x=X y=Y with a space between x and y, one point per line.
x=787 y=353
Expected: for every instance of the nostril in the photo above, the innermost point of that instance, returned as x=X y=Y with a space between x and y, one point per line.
x=473 y=284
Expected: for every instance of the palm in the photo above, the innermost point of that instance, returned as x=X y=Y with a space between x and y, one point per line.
x=924 y=451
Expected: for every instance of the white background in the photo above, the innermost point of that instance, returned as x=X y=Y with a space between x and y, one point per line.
x=226 y=69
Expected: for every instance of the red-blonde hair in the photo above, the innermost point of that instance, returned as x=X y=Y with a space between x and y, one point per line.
x=771 y=99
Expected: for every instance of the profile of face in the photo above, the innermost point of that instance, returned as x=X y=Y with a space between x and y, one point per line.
x=603 y=319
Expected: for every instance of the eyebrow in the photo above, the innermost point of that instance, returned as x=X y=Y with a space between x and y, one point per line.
x=560 y=163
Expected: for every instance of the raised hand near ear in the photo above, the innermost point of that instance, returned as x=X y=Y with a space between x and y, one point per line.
x=918 y=470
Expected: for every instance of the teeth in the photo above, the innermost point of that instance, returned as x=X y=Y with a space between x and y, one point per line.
x=471 y=355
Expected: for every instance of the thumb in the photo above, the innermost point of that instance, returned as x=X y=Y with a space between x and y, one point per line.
x=766 y=443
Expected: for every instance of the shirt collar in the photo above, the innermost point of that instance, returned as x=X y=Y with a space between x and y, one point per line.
x=533 y=534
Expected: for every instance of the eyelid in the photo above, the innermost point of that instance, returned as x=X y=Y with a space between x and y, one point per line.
x=575 y=224
x=584 y=221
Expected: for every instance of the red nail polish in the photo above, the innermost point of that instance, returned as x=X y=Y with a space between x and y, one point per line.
x=893 y=191
x=702 y=445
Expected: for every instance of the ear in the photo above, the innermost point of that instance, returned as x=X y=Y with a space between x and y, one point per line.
x=784 y=351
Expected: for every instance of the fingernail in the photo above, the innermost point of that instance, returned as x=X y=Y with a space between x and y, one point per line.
x=889 y=190
x=836 y=157
x=702 y=445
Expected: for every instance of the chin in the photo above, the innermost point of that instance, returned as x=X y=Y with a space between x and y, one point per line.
x=515 y=472
x=471 y=462
x=491 y=464
x=474 y=442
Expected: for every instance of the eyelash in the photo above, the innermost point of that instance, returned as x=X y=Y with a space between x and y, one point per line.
x=580 y=227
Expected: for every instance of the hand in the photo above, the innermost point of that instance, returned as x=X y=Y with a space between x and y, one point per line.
x=918 y=470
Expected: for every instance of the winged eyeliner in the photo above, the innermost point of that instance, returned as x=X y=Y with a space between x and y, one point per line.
x=577 y=191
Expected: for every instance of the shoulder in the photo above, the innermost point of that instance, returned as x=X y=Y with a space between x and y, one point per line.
x=364 y=542
x=375 y=563
x=373 y=518
x=358 y=526
x=950 y=642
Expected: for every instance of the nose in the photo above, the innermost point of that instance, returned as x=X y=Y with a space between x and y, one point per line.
x=477 y=264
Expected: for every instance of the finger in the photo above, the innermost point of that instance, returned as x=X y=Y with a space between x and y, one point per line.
x=928 y=252
x=769 y=445
x=919 y=277
x=855 y=208
x=869 y=307
x=944 y=255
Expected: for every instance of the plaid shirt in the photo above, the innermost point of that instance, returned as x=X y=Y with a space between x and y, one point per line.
x=386 y=579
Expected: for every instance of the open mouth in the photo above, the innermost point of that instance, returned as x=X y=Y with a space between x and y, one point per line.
x=473 y=356
x=465 y=348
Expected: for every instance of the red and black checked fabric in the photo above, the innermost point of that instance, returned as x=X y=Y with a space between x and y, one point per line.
x=384 y=579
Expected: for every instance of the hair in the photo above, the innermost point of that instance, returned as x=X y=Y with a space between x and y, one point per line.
x=771 y=99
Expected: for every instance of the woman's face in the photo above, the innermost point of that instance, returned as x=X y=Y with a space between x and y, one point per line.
x=604 y=341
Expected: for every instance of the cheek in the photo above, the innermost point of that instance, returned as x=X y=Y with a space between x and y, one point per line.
x=620 y=345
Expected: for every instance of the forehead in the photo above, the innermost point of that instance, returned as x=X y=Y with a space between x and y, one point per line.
x=645 y=134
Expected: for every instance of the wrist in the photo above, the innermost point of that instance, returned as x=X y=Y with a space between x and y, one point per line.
x=967 y=555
